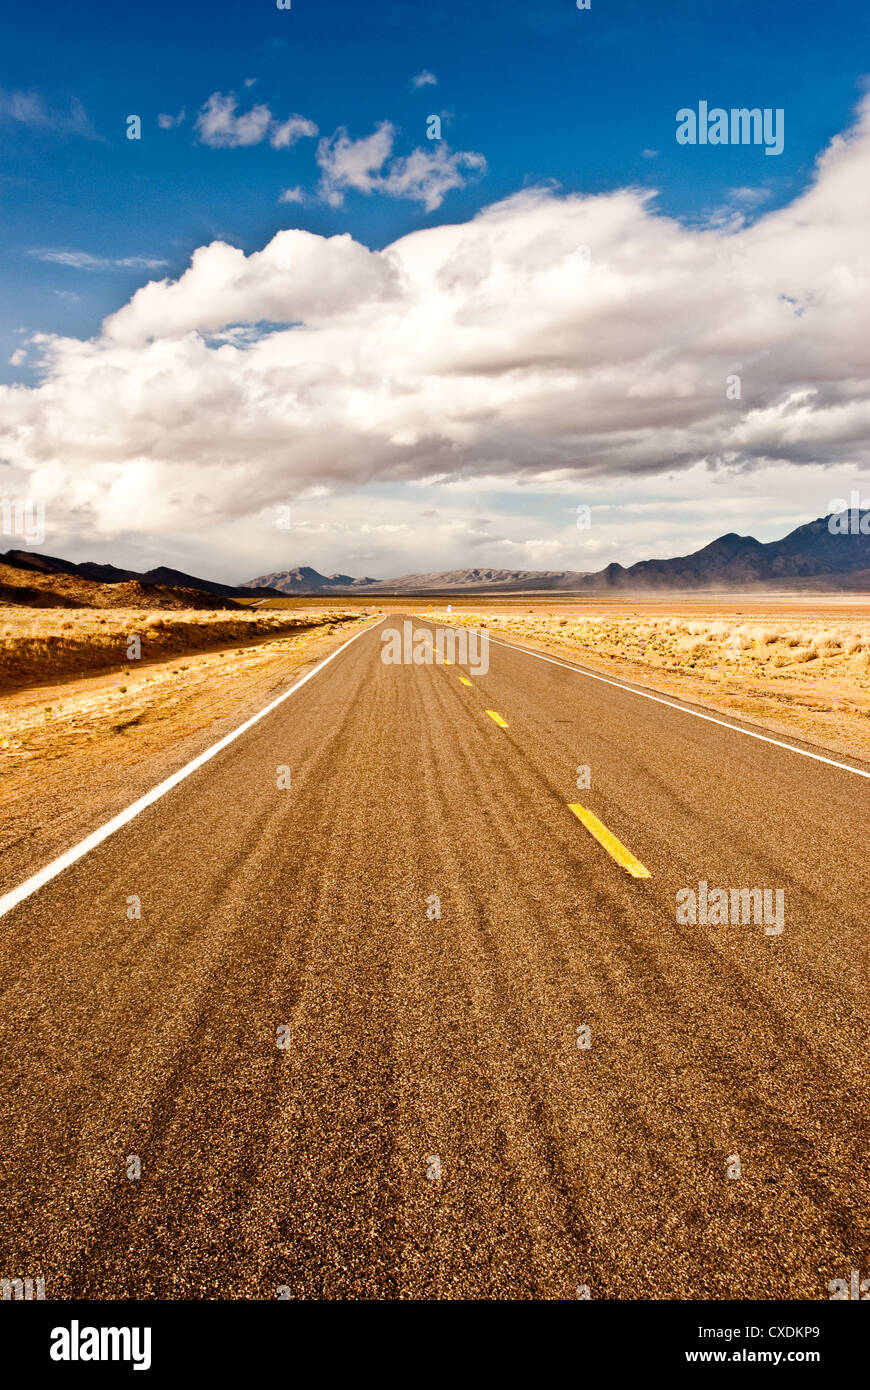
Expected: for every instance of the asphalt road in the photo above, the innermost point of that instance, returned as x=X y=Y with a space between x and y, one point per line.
x=432 y=1128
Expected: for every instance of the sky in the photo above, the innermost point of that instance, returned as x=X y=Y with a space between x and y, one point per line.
x=392 y=288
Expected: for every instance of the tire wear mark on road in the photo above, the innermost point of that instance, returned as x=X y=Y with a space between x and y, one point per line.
x=454 y=1037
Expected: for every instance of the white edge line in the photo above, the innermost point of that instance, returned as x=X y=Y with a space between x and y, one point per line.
x=672 y=704
x=32 y=885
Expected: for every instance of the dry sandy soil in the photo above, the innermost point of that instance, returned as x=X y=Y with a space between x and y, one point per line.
x=34 y=589
x=78 y=750
x=43 y=645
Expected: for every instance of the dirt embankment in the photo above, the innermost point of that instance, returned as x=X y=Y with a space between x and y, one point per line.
x=75 y=752
x=32 y=588
x=40 y=645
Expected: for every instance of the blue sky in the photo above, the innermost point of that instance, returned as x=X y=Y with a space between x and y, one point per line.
x=582 y=103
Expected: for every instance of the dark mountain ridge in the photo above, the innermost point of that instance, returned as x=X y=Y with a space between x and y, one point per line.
x=838 y=559
x=161 y=577
x=811 y=556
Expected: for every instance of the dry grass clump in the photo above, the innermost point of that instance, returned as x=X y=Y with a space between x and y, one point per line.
x=803 y=675
x=42 y=644
x=716 y=647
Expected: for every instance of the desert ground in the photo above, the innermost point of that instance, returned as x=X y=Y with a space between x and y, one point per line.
x=83 y=730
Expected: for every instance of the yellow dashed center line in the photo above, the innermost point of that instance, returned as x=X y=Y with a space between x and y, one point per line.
x=465 y=680
x=613 y=846
x=502 y=723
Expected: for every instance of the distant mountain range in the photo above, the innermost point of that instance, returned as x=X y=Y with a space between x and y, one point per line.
x=45 y=581
x=808 y=557
x=110 y=574
x=304 y=580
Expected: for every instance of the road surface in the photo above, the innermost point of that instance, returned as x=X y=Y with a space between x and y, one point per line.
x=554 y=1089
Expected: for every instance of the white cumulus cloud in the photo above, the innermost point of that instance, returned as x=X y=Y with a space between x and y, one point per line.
x=347 y=163
x=218 y=125
x=425 y=176
x=551 y=340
